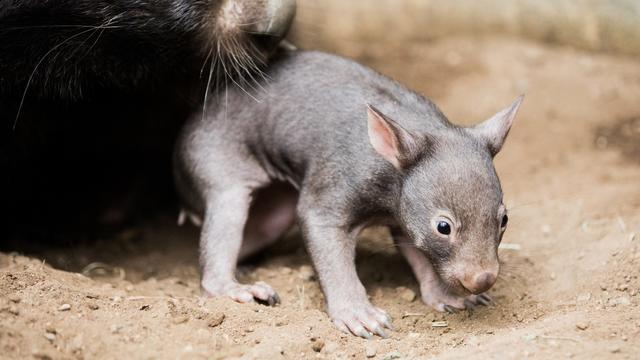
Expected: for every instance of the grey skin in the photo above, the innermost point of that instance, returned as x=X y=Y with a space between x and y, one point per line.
x=357 y=149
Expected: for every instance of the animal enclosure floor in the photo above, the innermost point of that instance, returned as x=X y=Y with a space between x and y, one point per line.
x=569 y=286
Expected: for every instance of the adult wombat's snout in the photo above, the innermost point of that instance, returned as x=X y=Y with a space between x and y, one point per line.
x=267 y=18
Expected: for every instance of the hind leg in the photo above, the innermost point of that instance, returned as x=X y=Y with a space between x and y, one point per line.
x=272 y=213
x=220 y=243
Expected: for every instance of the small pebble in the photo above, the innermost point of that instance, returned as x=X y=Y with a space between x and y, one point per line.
x=13 y=310
x=330 y=347
x=180 y=320
x=115 y=328
x=317 y=345
x=546 y=229
x=51 y=337
x=582 y=325
x=439 y=324
x=14 y=298
x=623 y=300
x=64 y=307
x=584 y=297
x=306 y=273
x=93 y=306
x=406 y=294
x=41 y=355
x=392 y=356
x=370 y=349
x=215 y=319
x=614 y=349
x=49 y=328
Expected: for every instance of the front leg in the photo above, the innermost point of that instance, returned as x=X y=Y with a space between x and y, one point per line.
x=433 y=291
x=332 y=250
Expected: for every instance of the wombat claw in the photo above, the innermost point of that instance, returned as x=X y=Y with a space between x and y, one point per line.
x=259 y=292
x=450 y=309
x=363 y=323
x=484 y=299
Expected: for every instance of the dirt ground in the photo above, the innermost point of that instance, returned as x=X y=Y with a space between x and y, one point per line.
x=570 y=280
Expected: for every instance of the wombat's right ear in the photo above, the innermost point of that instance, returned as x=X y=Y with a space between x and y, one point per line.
x=395 y=144
x=495 y=130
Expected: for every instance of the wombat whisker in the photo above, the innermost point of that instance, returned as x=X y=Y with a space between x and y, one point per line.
x=206 y=91
x=46 y=27
x=206 y=61
x=92 y=45
x=251 y=68
x=102 y=30
x=244 y=72
x=232 y=55
x=88 y=28
x=30 y=79
x=93 y=32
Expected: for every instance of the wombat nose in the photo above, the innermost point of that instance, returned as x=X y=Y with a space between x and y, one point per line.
x=480 y=283
x=277 y=18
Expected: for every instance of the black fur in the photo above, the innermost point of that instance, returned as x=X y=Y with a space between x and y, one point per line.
x=92 y=93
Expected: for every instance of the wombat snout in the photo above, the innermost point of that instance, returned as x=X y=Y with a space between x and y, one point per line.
x=479 y=282
x=264 y=17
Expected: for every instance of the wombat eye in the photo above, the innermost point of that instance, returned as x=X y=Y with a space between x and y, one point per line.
x=443 y=228
x=505 y=220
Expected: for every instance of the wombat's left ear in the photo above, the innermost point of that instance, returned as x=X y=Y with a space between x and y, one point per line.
x=495 y=130
x=395 y=144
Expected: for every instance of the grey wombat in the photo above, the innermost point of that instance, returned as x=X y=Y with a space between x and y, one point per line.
x=357 y=149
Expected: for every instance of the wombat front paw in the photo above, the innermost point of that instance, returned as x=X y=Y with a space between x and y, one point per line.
x=362 y=320
x=259 y=291
x=443 y=301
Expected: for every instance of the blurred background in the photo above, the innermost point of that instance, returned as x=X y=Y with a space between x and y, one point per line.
x=588 y=24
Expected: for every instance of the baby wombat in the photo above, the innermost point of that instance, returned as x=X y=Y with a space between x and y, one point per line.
x=358 y=149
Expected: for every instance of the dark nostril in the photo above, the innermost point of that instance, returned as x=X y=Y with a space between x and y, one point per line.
x=483 y=282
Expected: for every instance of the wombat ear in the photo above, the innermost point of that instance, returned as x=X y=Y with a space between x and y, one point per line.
x=495 y=130
x=396 y=145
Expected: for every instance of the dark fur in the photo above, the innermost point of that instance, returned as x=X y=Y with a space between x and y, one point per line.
x=92 y=93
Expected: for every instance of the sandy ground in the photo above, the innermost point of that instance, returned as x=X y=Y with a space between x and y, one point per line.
x=571 y=175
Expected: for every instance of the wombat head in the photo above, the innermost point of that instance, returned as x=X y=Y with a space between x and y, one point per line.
x=451 y=200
